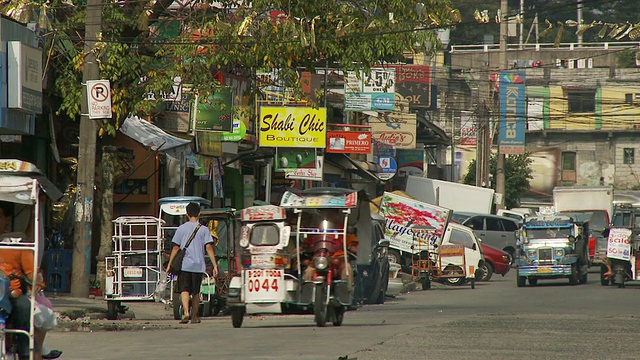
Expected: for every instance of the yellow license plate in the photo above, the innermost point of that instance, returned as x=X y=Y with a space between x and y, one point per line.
x=544 y=270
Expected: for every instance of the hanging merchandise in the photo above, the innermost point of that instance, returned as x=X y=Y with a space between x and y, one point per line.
x=216 y=177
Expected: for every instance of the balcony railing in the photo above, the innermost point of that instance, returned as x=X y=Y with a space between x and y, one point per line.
x=545 y=46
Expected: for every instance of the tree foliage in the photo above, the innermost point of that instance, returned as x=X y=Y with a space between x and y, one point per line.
x=141 y=55
x=517 y=173
x=556 y=12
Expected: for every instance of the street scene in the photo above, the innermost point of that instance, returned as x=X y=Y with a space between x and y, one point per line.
x=496 y=320
x=446 y=179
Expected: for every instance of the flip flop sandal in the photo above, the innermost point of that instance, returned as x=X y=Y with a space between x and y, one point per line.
x=196 y=321
x=53 y=354
x=185 y=320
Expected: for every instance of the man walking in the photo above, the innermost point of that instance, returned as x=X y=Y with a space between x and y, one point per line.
x=193 y=265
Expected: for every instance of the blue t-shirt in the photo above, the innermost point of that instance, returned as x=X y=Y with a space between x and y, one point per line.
x=194 y=256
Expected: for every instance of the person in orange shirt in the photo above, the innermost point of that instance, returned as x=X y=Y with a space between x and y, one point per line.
x=18 y=262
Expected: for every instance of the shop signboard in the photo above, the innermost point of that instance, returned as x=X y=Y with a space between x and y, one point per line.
x=396 y=130
x=370 y=92
x=282 y=126
x=349 y=142
x=389 y=167
x=413 y=84
x=314 y=174
x=216 y=112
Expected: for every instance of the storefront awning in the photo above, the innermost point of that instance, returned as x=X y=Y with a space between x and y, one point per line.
x=364 y=169
x=150 y=135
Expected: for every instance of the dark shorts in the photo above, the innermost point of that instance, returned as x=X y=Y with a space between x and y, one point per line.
x=190 y=282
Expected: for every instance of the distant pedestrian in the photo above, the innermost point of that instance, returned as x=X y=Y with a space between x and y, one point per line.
x=193 y=264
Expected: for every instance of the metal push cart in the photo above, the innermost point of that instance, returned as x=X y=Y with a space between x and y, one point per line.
x=134 y=268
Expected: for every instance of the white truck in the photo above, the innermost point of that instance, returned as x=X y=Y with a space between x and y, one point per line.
x=413 y=226
x=592 y=203
x=455 y=196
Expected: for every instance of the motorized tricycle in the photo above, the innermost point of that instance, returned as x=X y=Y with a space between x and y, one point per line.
x=622 y=246
x=222 y=225
x=22 y=185
x=320 y=277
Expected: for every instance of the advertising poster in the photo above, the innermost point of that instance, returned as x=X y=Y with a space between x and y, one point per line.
x=403 y=214
x=303 y=127
x=289 y=159
x=349 y=142
x=468 y=131
x=216 y=112
x=370 y=92
x=410 y=162
x=619 y=244
x=513 y=116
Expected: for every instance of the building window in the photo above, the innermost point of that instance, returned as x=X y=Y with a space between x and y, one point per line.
x=581 y=101
x=568 y=173
x=629 y=156
x=569 y=161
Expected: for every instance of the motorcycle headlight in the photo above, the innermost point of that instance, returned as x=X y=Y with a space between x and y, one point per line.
x=321 y=262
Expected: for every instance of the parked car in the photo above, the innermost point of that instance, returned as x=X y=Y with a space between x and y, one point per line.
x=496 y=261
x=493 y=230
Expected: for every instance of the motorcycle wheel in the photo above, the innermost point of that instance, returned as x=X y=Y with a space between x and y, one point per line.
x=237 y=315
x=338 y=315
x=319 y=305
x=426 y=283
x=604 y=281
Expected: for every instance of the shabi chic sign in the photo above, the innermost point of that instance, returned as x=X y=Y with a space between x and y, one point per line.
x=293 y=127
x=99 y=99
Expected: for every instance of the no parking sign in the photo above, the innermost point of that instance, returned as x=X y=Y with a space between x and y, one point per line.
x=99 y=99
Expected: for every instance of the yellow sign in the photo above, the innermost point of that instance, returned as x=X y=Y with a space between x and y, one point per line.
x=293 y=127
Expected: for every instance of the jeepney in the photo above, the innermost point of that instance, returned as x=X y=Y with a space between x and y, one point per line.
x=552 y=246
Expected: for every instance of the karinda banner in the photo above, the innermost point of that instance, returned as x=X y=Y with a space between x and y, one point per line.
x=293 y=127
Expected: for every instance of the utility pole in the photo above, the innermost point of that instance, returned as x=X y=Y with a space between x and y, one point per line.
x=500 y=180
x=86 y=159
x=106 y=210
x=579 y=18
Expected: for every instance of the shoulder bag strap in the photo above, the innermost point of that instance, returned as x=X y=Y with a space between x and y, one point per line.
x=192 y=236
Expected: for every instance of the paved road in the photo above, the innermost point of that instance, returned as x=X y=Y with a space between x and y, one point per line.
x=496 y=320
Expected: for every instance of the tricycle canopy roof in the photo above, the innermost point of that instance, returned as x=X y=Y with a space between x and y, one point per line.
x=263 y=213
x=227 y=212
x=177 y=205
x=18 y=181
x=321 y=198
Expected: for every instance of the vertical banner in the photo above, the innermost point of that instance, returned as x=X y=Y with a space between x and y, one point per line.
x=512 y=112
x=468 y=131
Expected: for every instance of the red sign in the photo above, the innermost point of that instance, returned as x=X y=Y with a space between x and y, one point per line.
x=349 y=142
x=413 y=83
